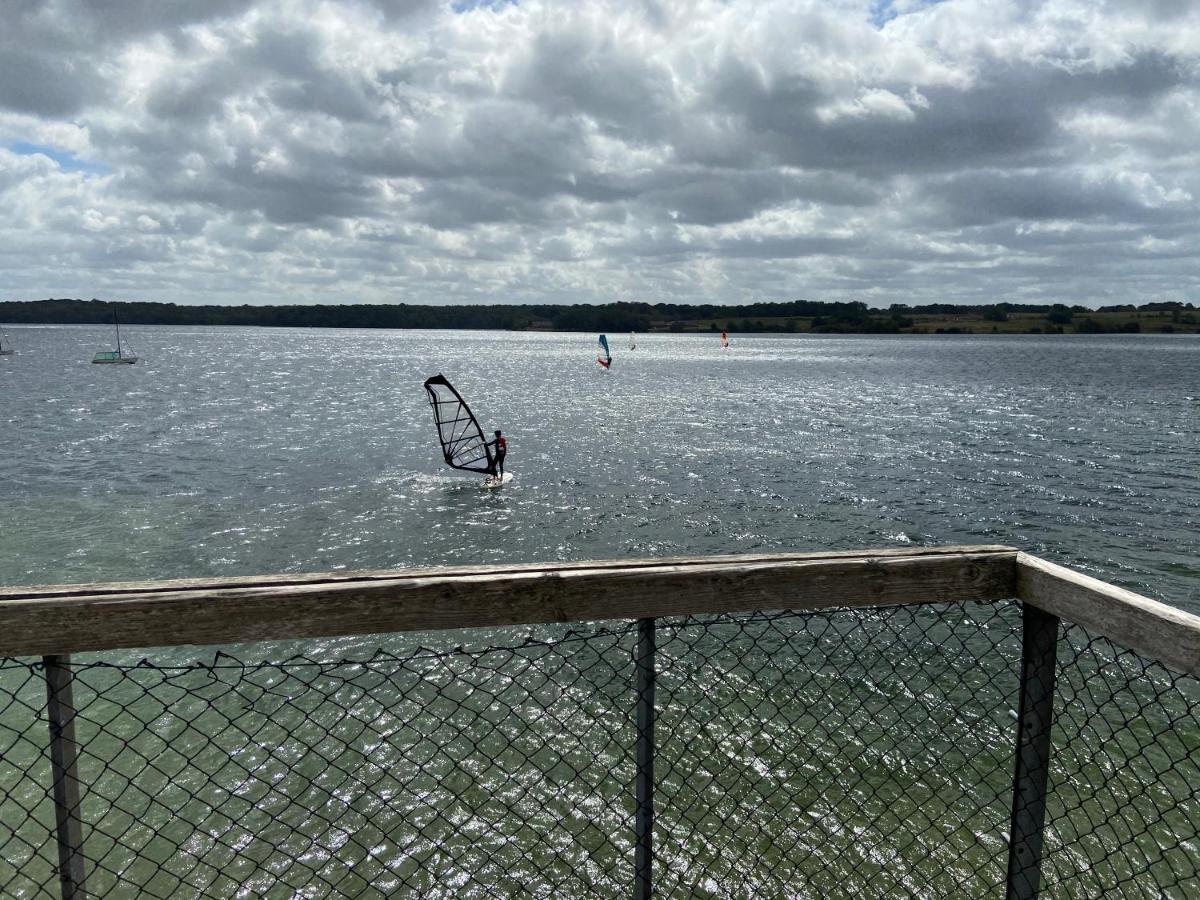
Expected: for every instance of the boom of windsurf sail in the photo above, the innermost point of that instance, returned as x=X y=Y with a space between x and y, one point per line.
x=606 y=359
x=463 y=444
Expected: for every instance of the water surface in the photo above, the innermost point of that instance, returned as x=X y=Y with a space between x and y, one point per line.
x=243 y=451
x=859 y=751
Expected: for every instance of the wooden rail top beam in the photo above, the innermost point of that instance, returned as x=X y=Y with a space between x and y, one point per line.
x=1155 y=630
x=39 y=621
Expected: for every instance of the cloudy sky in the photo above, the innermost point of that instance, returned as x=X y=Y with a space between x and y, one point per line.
x=425 y=151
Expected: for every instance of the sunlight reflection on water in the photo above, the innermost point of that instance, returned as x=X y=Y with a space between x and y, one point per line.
x=259 y=450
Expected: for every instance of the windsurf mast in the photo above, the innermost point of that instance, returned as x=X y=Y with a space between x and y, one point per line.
x=462 y=440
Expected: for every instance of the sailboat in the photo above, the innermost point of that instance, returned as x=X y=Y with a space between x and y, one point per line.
x=116 y=356
x=5 y=350
x=632 y=342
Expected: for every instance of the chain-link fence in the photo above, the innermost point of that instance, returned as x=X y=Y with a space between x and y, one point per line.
x=1123 y=805
x=840 y=753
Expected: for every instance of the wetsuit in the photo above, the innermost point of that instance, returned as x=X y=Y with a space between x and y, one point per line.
x=501 y=446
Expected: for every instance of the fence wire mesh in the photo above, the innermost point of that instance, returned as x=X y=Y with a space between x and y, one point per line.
x=1123 y=808
x=437 y=773
x=842 y=753
x=856 y=753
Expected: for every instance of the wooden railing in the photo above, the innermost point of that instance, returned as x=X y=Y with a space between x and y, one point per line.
x=74 y=618
x=54 y=622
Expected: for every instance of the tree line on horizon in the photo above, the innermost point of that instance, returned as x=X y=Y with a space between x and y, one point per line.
x=797 y=315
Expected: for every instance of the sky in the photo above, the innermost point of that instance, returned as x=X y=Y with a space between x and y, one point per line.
x=447 y=151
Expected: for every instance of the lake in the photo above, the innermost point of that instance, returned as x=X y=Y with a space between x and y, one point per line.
x=791 y=749
x=242 y=451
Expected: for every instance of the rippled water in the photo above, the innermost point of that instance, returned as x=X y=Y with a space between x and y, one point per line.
x=242 y=451
x=795 y=743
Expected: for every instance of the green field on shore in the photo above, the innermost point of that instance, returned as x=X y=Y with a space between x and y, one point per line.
x=1133 y=321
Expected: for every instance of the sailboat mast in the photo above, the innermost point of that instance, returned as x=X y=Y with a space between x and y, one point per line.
x=118 y=324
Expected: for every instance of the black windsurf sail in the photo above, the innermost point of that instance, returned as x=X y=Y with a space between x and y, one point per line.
x=462 y=440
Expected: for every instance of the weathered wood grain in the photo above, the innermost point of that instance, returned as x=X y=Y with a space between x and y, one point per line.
x=83 y=618
x=142 y=587
x=1155 y=630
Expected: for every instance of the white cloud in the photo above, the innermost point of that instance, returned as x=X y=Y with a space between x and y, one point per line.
x=870 y=103
x=349 y=150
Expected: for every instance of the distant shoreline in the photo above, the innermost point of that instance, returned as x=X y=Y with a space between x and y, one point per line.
x=796 y=317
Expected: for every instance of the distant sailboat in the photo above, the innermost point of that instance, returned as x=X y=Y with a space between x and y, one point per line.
x=724 y=340
x=116 y=356
x=5 y=349
x=605 y=360
x=632 y=342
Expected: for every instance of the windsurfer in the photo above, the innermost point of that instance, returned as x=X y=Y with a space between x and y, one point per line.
x=501 y=446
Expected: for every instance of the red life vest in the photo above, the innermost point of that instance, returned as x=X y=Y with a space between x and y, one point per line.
x=501 y=445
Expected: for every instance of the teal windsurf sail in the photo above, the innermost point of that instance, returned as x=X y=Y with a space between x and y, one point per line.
x=606 y=359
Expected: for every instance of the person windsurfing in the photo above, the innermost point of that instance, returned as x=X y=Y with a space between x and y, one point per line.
x=501 y=446
x=605 y=360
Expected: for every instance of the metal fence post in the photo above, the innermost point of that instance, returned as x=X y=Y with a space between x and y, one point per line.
x=60 y=714
x=1039 y=648
x=643 y=826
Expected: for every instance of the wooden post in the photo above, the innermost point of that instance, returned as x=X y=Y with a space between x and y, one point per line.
x=643 y=826
x=1039 y=648
x=60 y=713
